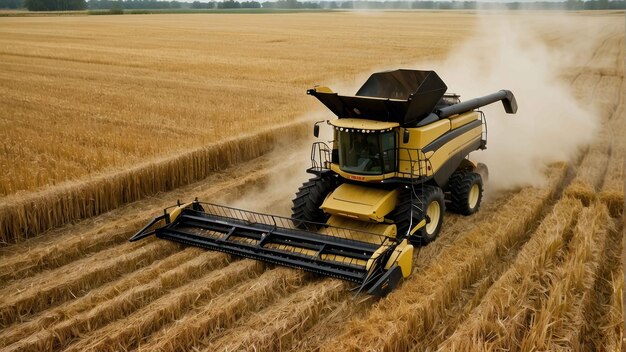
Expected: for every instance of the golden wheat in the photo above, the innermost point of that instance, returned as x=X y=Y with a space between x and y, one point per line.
x=34 y=294
x=330 y=324
x=57 y=336
x=94 y=297
x=496 y=321
x=590 y=174
x=132 y=330
x=469 y=298
x=431 y=291
x=557 y=324
x=62 y=246
x=604 y=324
x=613 y=328
x=613 y=187
x=225 y=310
x=279 y=326
x=26 y=216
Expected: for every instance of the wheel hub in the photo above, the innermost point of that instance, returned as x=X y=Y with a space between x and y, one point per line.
x=473 y=196
x=433 y=212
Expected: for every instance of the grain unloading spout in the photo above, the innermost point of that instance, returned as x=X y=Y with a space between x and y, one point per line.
x=506 y=96
x=403 y=96
x=348 y=254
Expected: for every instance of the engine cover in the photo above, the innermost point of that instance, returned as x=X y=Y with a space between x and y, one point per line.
x=360 y=202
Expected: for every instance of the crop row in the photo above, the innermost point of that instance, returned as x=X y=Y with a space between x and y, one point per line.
x=397 y=322
x=22 y=217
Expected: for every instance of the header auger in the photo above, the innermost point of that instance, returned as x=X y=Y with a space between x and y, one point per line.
x=397 y=162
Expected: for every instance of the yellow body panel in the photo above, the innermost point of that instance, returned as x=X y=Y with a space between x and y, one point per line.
x=375 y=256
x=426 y=134
x=443 y=154
x=362 y=124
x=323 y=89
x=457 y=121
x=422 y=136
x=403 y=257
x=360 y=202
x=176 y=211
x=417 y=227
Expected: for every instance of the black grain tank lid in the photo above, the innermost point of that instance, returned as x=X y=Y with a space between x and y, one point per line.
x=403 y=96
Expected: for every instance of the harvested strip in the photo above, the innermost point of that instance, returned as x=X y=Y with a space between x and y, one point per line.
x=584 y=86
x=328 y=326
x=57 y=336
x=61 y=253
x=455 y=227
x=280 y=325
x=133 y=217
x=385 y=327
x=607 y=94
x=557 y=325
x=223 y=311
x=590 y=173
x=469 y=299
x=496 y=322
x=131 y=331
x=613 y=187
x=68 y=282
x=604 y=321
x=76 y=241
x=613 y=330
x=94 y=297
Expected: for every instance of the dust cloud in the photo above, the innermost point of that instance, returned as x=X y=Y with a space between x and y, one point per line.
x=551 y=124
x=523 y=53
x=292 y=159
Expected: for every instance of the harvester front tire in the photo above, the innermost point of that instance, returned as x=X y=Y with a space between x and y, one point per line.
x=410 y=210
x=466 y=192
x=309 y=198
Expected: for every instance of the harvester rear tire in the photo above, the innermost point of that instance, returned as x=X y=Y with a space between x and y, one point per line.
x=309 y=198
x=466 y=192
x=411 y=209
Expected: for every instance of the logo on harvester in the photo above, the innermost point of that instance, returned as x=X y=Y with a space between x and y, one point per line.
x=358 y=178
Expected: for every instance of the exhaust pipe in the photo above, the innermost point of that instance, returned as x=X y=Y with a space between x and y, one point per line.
x=506 y=96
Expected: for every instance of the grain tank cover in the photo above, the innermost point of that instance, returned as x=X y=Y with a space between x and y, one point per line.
x=402 y=96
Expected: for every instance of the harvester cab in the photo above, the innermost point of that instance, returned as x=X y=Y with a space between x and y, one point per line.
x=397 y=162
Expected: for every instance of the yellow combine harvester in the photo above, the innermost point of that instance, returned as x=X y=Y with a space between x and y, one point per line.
x=397 y=161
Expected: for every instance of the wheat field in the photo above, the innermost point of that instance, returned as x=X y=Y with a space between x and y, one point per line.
x=84 y=96
x=122 y=116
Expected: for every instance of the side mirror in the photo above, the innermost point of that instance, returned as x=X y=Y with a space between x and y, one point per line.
x=406 y=136
x=316 y=128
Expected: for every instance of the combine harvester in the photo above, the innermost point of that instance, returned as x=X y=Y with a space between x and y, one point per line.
x=397 y=162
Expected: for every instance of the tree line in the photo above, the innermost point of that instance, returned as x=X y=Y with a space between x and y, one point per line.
x=133 y=4
x=65 y=5
x=54 y=5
